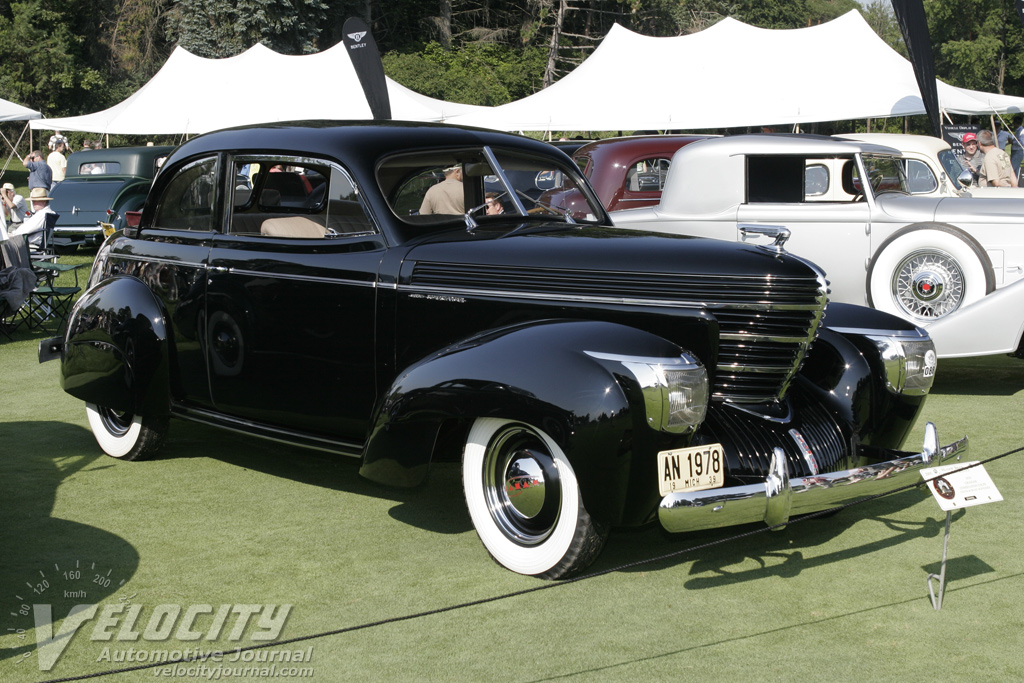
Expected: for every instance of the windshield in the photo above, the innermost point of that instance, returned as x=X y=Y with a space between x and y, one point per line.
x=952 y=166
x=444 y=187
x=885 y=174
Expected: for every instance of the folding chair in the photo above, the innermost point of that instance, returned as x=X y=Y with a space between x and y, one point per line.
x=45 y=301
x=16 y=284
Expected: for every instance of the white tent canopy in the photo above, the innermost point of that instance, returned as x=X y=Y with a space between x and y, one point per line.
x=191 y=95
x=9 y=111
x=732 y=74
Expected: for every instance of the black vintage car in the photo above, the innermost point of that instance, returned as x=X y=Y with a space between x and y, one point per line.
x=100 y=186
x=281 y=281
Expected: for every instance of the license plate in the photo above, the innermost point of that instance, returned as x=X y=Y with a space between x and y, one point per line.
x=690 y=469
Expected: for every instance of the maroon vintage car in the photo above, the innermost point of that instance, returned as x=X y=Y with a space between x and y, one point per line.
x=626 y=173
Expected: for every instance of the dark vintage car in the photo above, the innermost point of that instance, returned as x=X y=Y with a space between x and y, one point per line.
x=626 y=172
x=100 y=186
x=282 y=282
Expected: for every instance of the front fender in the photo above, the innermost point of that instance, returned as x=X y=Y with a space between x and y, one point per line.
x=115 y=350
x=539 y=373
x=846 y=372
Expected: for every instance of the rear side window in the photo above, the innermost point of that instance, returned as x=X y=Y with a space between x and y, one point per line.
x=647 y=175
x=100 y=168
x=189 y=199
x=276 y=196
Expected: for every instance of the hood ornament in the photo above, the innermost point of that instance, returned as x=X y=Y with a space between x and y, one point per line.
x=780 y=234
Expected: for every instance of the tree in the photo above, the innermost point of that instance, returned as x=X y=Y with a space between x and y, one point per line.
x=45 y=57
x=977 y=43
x=222 y=28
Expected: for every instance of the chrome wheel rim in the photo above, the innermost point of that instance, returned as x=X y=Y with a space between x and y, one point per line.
x=928 y=285
x=521 y=485
x=115 y=422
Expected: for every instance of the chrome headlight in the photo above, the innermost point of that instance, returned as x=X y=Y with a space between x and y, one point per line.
x=675 y=390
x=909 y=363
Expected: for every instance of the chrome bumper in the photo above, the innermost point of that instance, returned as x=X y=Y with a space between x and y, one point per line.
x=779 y=497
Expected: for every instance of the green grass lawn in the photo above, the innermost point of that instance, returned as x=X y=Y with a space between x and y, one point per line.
x=222 y=519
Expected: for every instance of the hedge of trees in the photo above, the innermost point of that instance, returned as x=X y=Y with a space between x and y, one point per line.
x=69 y=57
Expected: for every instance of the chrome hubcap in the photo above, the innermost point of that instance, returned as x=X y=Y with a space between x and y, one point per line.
x=928 y=285
x=117 y=423
x=521 y=485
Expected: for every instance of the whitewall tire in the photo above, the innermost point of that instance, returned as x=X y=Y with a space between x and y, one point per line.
x=125 y=436
x=524 y=500
x=927 y=273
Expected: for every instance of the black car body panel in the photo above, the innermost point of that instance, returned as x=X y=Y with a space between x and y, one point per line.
x=333 y=315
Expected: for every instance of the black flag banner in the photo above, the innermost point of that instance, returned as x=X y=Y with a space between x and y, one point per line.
x=1019 y=5
x=362 y=50
x=914 y=25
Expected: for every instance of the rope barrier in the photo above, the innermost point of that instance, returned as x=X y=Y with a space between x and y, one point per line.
x=199 y=658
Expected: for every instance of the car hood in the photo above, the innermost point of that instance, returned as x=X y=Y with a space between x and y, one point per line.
x=956 y=210
x=603 y=253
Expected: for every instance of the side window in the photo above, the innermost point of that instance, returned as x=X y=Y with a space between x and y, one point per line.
x=775 y=179
x=189 y=200
x=816 y=179
x=647 y=175
x=294 y=198
x=920 y=178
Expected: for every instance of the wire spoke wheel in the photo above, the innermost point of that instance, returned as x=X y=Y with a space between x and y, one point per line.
x=928 y=284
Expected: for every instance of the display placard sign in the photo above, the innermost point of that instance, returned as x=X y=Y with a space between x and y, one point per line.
x=960 y=485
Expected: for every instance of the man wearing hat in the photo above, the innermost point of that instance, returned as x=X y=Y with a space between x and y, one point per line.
x=446 y=196
x=973 y=156
x=14 y=205
x=33 y=226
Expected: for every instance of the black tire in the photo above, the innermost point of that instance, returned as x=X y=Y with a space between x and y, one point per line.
x=124 y=436
x=524 y=500
x=927 y=272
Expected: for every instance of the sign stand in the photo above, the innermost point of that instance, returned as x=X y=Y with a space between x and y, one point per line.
x=956 y=487
x=941 y=576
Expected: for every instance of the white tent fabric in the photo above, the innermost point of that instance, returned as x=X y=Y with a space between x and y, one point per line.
x=9 y=111
x=191 y=95
x=731 y=74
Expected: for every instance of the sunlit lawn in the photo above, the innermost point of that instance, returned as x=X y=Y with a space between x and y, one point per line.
x=222 y=519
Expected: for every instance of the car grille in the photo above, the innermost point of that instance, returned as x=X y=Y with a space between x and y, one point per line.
x=766 y=322
x=749 y=440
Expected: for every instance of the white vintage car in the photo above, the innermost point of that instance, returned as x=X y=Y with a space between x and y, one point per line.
x=933 y=168
x=952 y=264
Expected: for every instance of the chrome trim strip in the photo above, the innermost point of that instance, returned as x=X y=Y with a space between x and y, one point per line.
x=713 y=508
x=263 y=431
x=303 y=278
x=153 y=259
x=606 y=299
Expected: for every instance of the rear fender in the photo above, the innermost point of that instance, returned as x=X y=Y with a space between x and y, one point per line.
x=116 y=348
x=552 y=375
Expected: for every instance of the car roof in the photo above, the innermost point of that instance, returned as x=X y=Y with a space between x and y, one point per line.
x=354 y=141
x=902 y=141
x=797 y=144
x=638 y=144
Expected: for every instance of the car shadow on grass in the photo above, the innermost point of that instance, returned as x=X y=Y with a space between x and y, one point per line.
x=752 y=552
x=437 y=505
x=48 y=561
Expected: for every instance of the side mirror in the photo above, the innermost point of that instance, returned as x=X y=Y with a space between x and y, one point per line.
x=965 y=178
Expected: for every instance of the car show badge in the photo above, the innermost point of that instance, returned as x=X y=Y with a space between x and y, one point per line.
x=954 y=487
x=961 y=485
